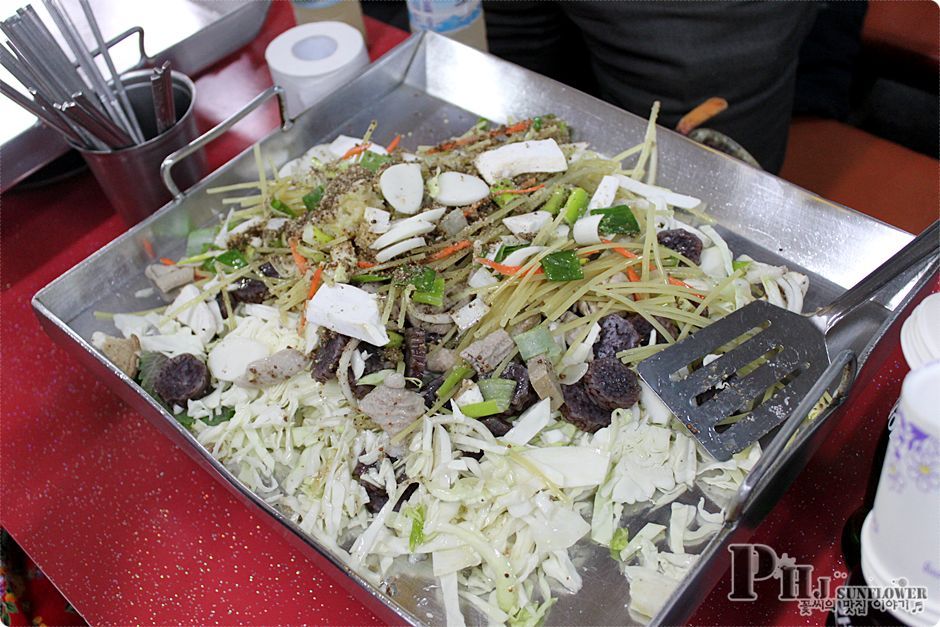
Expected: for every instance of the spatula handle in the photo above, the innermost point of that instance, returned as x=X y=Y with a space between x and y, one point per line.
x=919 y=249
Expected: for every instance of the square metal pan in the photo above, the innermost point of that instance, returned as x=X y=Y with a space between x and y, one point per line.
x=430 y=88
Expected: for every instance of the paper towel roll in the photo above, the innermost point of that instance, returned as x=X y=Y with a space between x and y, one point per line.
x=312 y=60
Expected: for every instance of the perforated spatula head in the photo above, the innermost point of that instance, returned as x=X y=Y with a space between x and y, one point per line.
x=767 y=360
x=759 y=346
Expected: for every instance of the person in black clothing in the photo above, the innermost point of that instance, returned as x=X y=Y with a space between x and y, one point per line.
x=631 y=53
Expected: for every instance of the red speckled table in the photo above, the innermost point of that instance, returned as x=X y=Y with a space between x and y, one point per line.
x=133 y=532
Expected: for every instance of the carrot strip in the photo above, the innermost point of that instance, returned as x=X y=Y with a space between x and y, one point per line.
x=299 y=260
x=393 y=144
x=631 y=273
x=623 y=251
x=454 y=143
x=701 y=114
x=503 y=268
x=148 y=248
x=450 y=250
x=314 y=286
x=463 y=141
x=167 y=262
x=678 y=283
x=315 y=281
x=521 y=191
x=518 y=127
x=364 y=264
x=356 y=150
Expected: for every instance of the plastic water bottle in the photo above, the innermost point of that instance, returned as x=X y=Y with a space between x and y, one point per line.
x=348 y=11
x=461 y=20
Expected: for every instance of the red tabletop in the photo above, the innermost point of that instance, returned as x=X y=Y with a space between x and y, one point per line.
x=132 y=531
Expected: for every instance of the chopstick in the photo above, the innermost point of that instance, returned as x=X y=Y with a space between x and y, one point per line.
x=49 y=117
x=115 y=77
x=161 y=89
x=74 y=97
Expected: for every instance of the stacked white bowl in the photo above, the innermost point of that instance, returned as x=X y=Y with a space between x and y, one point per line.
x=920 y=334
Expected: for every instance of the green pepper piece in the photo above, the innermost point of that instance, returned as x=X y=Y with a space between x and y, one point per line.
x=497 y=187
x=368 y=278
x=433 y=296
x=224 y=415
x=394 y=340
x=233 y=259
x=372 y=161
x=282 y=207
x=199 y=241
x=617 y=219
x=576 y=204
x=563 y=265
x=506 y=250
x=312 y=199
x=322 y=236
x=737 y=265
x=424 y=280
x=619 y=542
x=537 y=123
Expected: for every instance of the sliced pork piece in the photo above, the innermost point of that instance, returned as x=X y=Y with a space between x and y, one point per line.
x=484 y=355
x=391 y=406
x=275 y=368
x=610 y=384
x=123 y=353
x=441 y=359
x=326 y=360
x=168 y=278
x=182 y=378
x=683 y=242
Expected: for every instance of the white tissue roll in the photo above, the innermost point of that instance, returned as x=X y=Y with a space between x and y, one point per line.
x=312 y=60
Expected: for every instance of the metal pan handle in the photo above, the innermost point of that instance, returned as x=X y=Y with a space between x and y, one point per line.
x=781 y=449
x=142 y=60
x=217 y=131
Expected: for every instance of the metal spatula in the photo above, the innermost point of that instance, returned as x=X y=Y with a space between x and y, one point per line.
x=759 y=345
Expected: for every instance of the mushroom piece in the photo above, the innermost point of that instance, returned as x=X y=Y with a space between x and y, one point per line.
x=456 y=189
x=403 y=187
